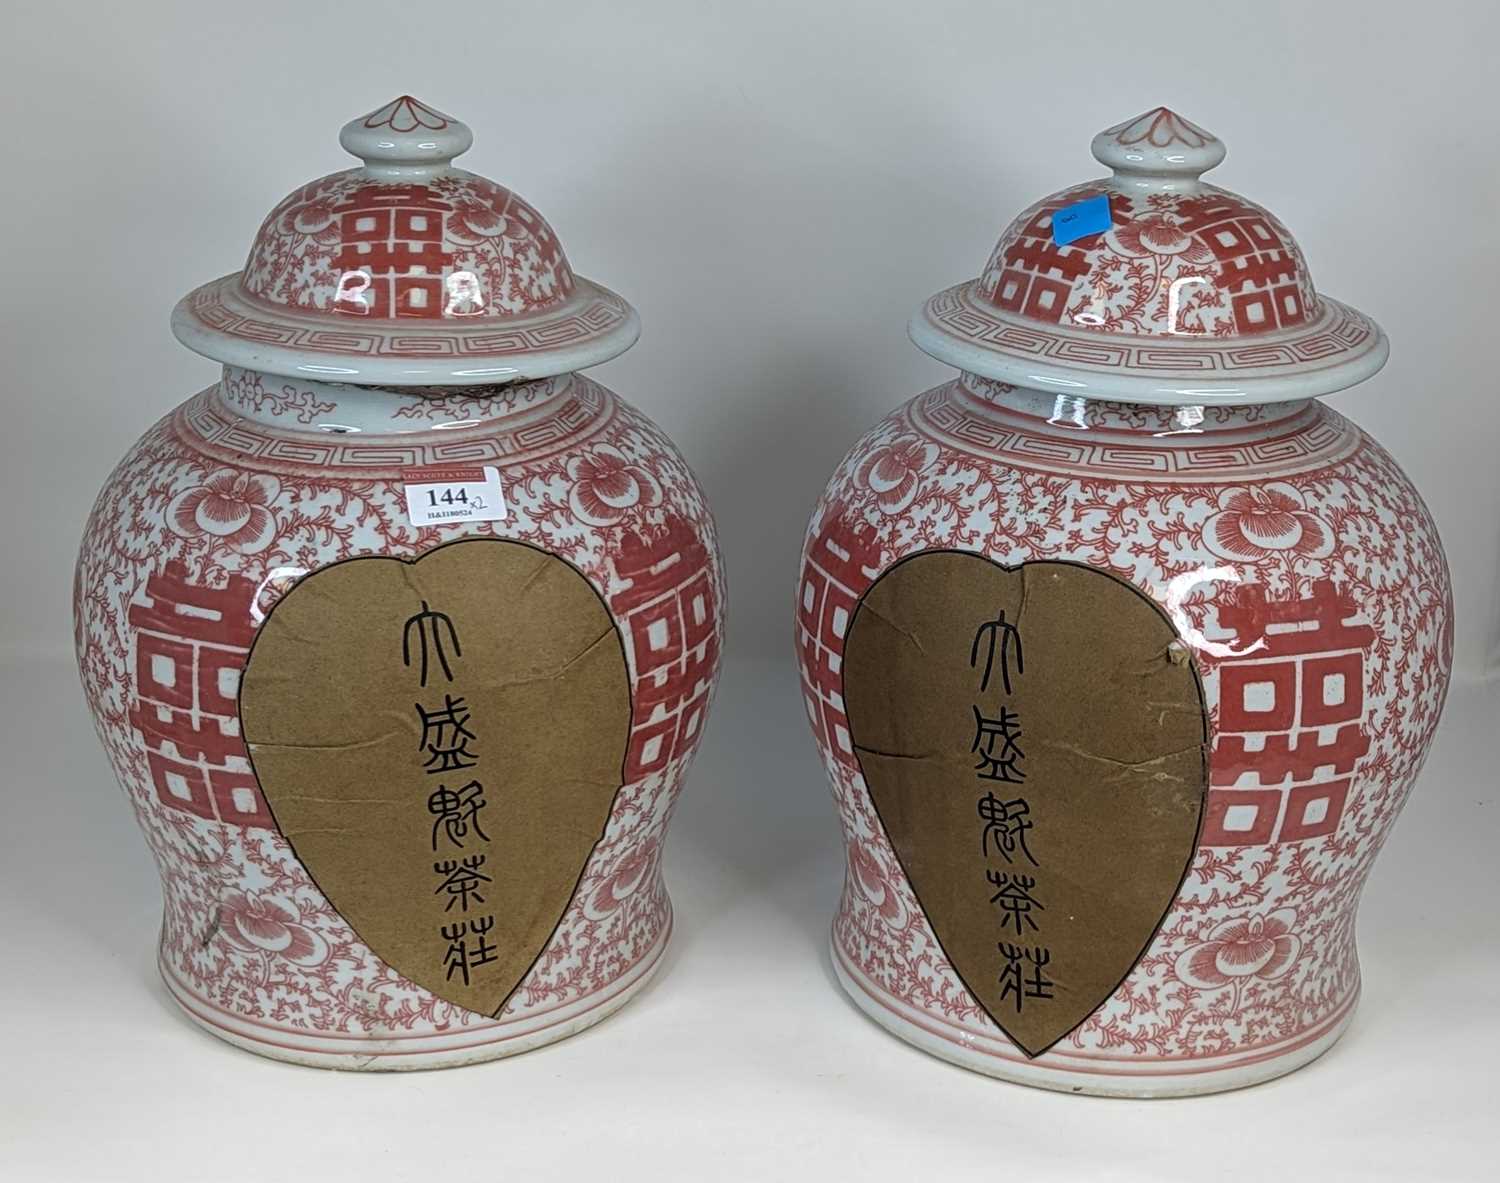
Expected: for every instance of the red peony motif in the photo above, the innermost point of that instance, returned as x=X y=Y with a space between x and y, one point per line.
x=473 y=219
x=476 y=212
x=606 y=485
x=893 y=471
x=1247 y=947
x=875 y=885
x=1266 y=519
x=1158 y=233
x=234 y=506
x=310 y=213
x=623 y=882
x=258 y=924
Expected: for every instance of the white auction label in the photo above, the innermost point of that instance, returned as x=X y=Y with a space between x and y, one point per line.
x=437 y=495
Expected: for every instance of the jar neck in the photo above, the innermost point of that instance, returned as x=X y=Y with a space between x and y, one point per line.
x=1048 y=412
x=331 y=408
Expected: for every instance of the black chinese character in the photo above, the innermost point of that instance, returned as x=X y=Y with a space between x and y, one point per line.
x=1016 y=982
x=991 y=632
x=462 y=881
x=456 y=812
x=1014 y=896
x=463 y=956
x=446 y=736
x=1005 y=730
x=430 y=627
x=1005 y=824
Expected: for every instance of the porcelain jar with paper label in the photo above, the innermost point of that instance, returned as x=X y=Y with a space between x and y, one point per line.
x=401 y=635
x=1122 y=650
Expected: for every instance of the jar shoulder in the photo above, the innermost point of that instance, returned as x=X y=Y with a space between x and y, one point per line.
x=224 y=497
x=1312 y=494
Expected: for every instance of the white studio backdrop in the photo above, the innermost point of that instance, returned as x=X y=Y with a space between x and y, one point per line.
x=774 y=185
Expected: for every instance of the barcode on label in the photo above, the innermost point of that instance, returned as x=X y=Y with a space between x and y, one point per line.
x=438 y=495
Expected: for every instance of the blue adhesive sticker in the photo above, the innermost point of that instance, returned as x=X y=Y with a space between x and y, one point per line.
x=1081 y=219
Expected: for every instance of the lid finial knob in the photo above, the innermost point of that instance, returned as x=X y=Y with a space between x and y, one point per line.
x=405 y=138
x=1157 y=151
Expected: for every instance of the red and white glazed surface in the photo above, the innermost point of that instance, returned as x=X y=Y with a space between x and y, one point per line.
x=1251 y=527
x=407 y=235
x=481 y=250
x=215 y=514
x=1189 y=295
x=1181 y=257
x=406 y=270
x=1208 y=263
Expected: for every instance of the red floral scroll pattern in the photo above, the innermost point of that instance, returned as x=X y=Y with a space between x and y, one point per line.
x=1206 y=263
x=162 y=624
x=247 y=389
x=1374 y=607
x=458 y=246
x=441 y=404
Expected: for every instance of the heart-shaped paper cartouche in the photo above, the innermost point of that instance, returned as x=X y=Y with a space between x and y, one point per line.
x=1034 y=740
x=441 y=741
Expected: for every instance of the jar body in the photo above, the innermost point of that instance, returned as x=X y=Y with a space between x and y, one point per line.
x=212 y=518
x=1302 y=572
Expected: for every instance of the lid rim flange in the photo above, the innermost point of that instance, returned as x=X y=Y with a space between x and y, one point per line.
x=1164 y=387
x=602 y=325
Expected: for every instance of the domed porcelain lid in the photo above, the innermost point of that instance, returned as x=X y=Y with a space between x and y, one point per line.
x=406 y=271
x=1152 y=286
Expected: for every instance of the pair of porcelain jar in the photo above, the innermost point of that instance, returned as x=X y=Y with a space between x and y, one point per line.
x=1122 y=651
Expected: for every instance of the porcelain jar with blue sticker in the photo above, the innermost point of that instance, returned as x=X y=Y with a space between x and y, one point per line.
x=1122 y=649
x=401 y=634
